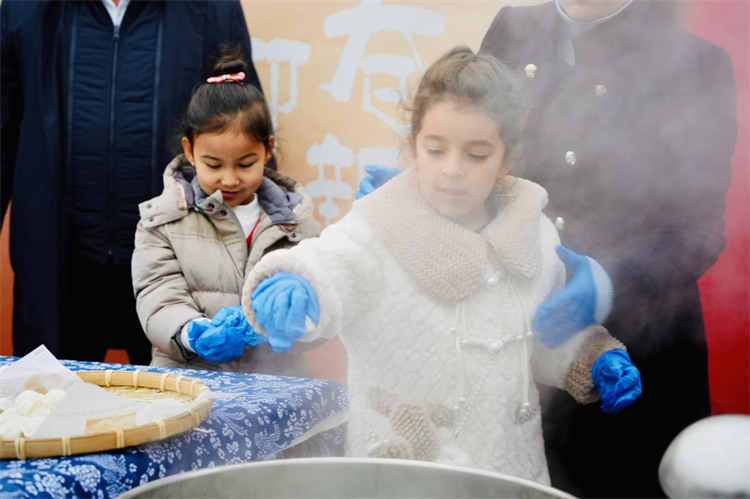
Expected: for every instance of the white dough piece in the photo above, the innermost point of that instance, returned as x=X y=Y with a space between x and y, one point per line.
x=22 y=416
x=54 y=396
x=27 y=400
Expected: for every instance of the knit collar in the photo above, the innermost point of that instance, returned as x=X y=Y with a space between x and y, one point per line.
x=446 y=259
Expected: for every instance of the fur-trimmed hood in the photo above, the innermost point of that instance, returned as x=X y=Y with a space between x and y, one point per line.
x=278 y=196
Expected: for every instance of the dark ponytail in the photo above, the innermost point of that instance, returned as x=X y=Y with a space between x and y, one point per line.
x=230 y=61
x=216 y=106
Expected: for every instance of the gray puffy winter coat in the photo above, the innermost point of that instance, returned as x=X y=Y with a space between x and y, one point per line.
x=191 y=259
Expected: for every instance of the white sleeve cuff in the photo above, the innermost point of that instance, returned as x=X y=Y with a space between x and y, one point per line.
x=184 y=334
x=604 y=291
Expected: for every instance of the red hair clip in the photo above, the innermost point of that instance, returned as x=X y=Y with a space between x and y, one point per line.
x=236 y=77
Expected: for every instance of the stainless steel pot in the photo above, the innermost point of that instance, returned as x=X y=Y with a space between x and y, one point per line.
x=342 y=477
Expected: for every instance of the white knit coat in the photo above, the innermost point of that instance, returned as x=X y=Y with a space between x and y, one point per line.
x=435 y=320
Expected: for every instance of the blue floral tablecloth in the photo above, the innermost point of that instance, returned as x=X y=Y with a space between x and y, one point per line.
x=267 y=415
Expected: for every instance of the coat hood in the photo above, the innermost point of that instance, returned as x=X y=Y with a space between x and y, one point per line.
x=278 y=195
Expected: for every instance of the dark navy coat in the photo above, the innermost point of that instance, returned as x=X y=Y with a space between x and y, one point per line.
x=41 y=77
x=633 y=144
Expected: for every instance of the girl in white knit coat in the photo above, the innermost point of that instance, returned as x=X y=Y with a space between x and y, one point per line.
x=431 y=281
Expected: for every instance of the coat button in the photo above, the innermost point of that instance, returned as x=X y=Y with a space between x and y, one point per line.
x=493 y=345
x=524 y=412
x=570 y=158
x=559 y=223
x=492 y=280
x=600 y=90
x=530 y=70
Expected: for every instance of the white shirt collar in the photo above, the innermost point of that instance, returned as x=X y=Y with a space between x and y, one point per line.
x=573 y=28
x=579 y=27
x=248 y=214
x=116 y=12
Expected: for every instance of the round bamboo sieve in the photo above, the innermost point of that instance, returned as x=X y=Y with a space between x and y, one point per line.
x=127 y=384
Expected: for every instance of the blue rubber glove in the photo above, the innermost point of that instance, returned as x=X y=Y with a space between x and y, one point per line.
x=586 y=299
x=223 y=338
x=377 y=177
x=281 y=303
x=617 y=381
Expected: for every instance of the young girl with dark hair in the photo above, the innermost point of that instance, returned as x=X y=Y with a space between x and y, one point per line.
x=220 y=211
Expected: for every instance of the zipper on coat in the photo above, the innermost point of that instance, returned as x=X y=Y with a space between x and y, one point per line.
x=111 y=166
x=156 y=179
x=70 y=102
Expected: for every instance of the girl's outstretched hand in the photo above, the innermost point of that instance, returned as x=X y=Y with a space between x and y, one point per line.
x=282 y=303
x=617 y=380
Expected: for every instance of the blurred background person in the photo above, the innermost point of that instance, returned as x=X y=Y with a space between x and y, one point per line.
x=91 y=91
x=632 y=136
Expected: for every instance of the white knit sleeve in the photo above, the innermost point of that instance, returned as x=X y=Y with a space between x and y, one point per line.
x=339 y=265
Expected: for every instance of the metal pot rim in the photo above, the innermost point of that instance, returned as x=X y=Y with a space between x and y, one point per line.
x=359 y=462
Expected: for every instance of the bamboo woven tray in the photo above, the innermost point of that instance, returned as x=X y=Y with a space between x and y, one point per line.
x=128 y=384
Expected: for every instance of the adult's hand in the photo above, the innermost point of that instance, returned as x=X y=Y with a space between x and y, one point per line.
x=377 y=176
x=586 y=299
